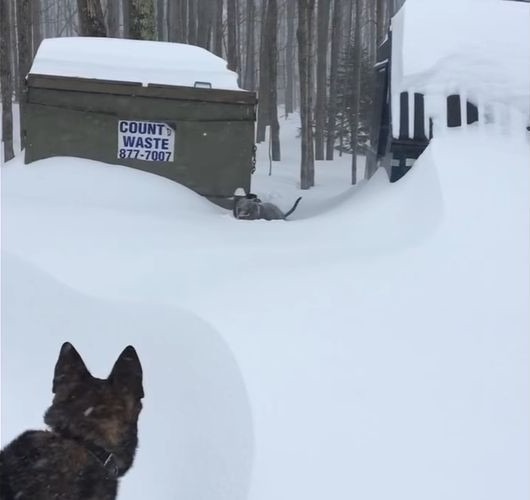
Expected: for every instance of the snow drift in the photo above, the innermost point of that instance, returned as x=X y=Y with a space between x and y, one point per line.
x=386 y=336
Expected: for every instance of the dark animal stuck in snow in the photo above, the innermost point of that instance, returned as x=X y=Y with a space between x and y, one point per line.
x=250 y=207
x=92 y=438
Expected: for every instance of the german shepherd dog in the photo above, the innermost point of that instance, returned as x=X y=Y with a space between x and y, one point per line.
x=92 y=438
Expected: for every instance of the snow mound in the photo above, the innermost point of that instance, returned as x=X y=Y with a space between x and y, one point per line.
x=382 y=332
x=79 y=182
x=196 y=436
x=132 y=61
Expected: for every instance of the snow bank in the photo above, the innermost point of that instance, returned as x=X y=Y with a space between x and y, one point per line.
x=386 y=336
x=132 y=61
x=84 y=183
x=476 y=48
x=196 y=436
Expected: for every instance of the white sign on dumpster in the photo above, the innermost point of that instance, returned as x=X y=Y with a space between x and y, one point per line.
x=148 y=141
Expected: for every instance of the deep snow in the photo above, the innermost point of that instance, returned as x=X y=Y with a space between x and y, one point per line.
x=374 y=346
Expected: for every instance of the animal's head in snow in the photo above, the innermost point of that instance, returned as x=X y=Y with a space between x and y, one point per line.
x=252 y=208
x=247 y=208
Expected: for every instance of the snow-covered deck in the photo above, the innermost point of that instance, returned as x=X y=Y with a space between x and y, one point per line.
x=476 y=48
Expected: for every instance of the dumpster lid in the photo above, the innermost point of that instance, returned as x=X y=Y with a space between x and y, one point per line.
x=146 y=62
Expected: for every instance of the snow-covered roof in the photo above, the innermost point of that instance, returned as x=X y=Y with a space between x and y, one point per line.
x=132 y=61
x=477 y=48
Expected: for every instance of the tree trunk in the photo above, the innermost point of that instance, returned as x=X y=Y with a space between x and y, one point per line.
x=192 y=22
x=231 y=15
x=249 y=80
x=336 y=35
x=305 y=48
x=14 y=54
x=322 y=63
x=160 y=16
x=289 y=56
x=356 y=90
x=141 y=19
x=205 y=22
x=218 y=31
x=372 y=42
x=172 y=20
x=125 y=7
x=348 y=16
x=24 y=19
x=263 y=87
x=113 y=18
x=6 y=81
x=176 y=20
x=182 y=35
x=272 y=60
x=91 y=21
x=382 y=20
x=36 y=12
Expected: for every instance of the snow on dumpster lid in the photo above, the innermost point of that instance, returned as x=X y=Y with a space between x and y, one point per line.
x=132 y=61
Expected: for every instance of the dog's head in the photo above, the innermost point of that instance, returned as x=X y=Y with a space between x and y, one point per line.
x=102 y=412
x=247 y=208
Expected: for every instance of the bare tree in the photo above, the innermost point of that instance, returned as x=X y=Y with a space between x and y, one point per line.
x=25 y=44
x=321 y=76
x=336 y=26
x=356 y=90
x=205 y=21
x=6 y=80
x=160 y=11
x=177 y=20
x=91 y=21
x=272 y=62
x=382 y=20
x=125 y=7
x=347 y=19
x=192 y=22
x=263 y=85
x=14 y=54
x=232 y=52
x=305 y=34
x=218 y=28
x=173 y=20
x=182 y=35
x=36 y=12
x=289 y=57
x=113 y=18
x=249 y=76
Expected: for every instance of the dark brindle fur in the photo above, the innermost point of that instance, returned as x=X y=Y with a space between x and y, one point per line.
x=92 y=438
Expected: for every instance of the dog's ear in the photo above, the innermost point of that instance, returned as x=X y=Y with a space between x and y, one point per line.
x=127 y=372
x=69 y=368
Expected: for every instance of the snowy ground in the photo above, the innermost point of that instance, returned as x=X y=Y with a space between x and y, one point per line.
x=375 y=346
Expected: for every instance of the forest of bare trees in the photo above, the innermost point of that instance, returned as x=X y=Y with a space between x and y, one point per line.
x=314 y=57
